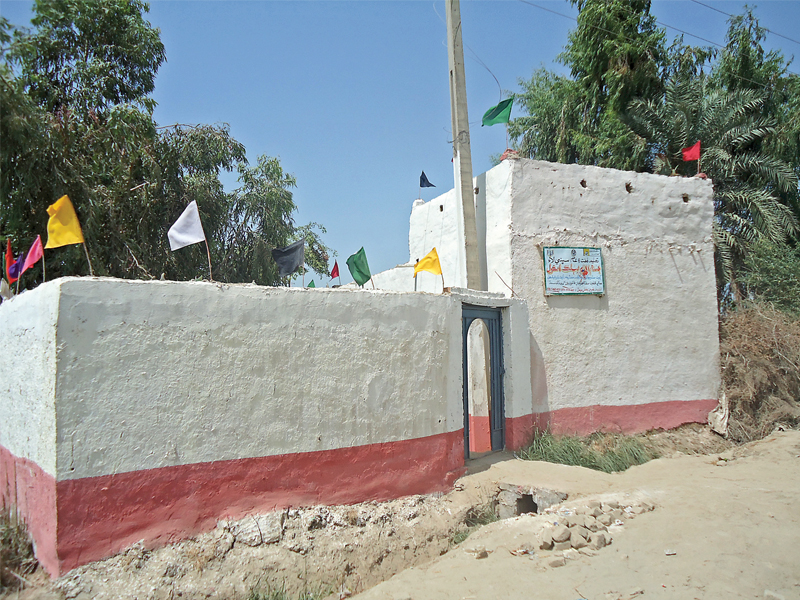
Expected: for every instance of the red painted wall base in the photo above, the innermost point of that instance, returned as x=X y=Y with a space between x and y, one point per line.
x=614 y=419
x=24 y=486
x=101 y=515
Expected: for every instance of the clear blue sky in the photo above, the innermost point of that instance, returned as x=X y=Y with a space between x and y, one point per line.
x=353 y=96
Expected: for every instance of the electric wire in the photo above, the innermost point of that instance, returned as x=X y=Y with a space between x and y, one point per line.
x=560 y=14
x=731 y=16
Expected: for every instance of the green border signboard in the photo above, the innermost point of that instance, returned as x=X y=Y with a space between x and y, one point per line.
x=573 y=271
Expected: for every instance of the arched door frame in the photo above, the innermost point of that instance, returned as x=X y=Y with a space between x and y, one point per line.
x=492 y=318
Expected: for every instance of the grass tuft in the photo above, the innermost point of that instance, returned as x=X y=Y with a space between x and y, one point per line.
x=16 y=550
x=601 y=452
x=476 y=517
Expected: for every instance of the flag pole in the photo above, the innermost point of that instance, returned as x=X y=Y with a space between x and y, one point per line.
x=86 y=250
x=415 y=283
x=208 y=253
x=44 y=273
x=698 y=163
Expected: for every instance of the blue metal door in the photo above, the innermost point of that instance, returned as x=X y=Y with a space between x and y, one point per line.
x=492 y=318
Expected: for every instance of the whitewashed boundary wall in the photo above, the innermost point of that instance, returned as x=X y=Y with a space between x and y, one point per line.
x=153 y=409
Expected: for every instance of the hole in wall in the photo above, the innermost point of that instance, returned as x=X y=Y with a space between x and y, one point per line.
x=441 y=208
x=628 y=187
x=685 y=197
x=583 y=183
x=526 y=504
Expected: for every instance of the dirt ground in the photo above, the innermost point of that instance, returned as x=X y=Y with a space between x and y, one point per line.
x=689 y=525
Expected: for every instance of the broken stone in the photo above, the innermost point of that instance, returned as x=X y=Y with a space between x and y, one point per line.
x=594 y=504
x=616 y=514
x=560 y=546
x=581 y=531
x=573 y=520
x=546 y=539
x=591 y=523
x=599 y=540
x=576 y=540
x=605 y=520
x=559 y=561
x=223 y=543
x=561 y=533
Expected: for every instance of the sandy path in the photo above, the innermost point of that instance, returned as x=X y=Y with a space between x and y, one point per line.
x=734 y=530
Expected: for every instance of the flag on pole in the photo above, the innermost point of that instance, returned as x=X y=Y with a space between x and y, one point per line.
x=498 y=114
x=692 y=152
x=423 y=181
x=312 y=284
x=290 y=258
x=10 y=262
x=430 y=263
x=5 y=290
x=359 y=269
x=187 y=230
x=63 y=227
x=335 y=270
x=35 y=254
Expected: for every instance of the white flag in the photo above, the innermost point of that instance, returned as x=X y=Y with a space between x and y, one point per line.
x=187 y=230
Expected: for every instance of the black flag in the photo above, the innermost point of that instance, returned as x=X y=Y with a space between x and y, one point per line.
x=290 y=258
x=423 y=181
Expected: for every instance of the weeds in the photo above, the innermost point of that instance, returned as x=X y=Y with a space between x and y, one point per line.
x=476 y=517
x=760 y=360
x=602 y=452
x=16 y=550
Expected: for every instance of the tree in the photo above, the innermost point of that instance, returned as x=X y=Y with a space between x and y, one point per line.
x=615 y=54
x=747 y=180
x=75 y=119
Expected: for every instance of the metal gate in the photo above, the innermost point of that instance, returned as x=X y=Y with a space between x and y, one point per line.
x=492 y=318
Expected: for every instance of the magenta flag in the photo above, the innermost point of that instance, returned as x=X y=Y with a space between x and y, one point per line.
x=34 y=254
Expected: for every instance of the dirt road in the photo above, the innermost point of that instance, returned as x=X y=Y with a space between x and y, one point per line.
x=725 y=528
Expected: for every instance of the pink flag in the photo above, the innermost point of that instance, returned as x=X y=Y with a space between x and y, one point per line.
x=34 y=254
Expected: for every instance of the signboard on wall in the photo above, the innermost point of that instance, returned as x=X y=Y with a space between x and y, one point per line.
x=573 y=271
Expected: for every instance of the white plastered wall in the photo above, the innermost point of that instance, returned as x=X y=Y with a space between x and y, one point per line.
x=27 y=376
x=438 y=223
x=653 y=336
x=154 y=374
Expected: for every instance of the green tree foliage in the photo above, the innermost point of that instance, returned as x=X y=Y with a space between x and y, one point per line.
x=632 y=103
x=772 y=274
x=615 y=54
x=747 y=180
x=76 y=119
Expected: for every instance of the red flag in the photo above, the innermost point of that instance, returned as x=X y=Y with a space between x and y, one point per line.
x=34 y=254
x=335 y=270
x=9 y=261
x=692 y=152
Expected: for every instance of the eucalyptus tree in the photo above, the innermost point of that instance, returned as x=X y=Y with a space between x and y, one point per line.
x=76 y=119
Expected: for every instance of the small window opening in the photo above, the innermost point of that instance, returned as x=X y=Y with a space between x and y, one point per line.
x=525 y=504
x=583 y=183
x=685 y=197
x=628 y=187
x=441 y=208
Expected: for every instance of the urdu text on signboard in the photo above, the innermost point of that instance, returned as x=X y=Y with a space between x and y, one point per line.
x=573 y=271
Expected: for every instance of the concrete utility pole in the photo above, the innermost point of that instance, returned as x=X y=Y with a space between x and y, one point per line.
x=462 y=157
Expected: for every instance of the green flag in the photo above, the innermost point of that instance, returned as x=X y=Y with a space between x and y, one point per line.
x=498 y=114
x=359 y=268
x=312 y=284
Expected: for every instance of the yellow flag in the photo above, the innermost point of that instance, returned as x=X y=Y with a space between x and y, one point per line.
x=430 y=263
x=63 y=227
